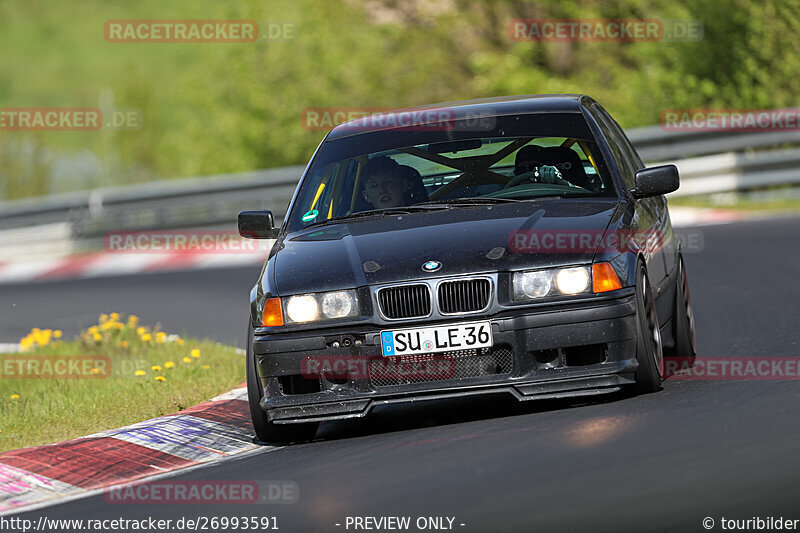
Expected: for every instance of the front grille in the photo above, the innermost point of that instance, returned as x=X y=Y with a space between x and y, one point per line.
x=464 y=295
x=479 y=362
x=406 y=301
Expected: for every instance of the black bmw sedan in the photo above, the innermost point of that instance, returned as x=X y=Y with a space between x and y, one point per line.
x=503 y=246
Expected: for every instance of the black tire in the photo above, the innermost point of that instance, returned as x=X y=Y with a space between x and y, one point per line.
x=267 y=431
x=649 y=352
x=683 y=320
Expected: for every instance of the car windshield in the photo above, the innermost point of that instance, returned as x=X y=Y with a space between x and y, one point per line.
x=449 y=173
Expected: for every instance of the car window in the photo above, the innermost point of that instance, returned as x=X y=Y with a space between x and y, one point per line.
x=622 y=157
x=493 y=167
x=625 y=143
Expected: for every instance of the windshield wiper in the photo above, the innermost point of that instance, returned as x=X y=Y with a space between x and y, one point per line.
x=405 y=210
x=476 y=200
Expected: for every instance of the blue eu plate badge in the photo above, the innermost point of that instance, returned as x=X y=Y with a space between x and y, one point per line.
x=387 y=339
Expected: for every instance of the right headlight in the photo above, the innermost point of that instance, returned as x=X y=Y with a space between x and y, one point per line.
x=536 y=284
x=305 y=308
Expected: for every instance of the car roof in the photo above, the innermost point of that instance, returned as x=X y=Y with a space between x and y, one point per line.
x=484 y=107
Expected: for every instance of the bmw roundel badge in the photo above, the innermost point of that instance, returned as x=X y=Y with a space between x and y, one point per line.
x=431 y=266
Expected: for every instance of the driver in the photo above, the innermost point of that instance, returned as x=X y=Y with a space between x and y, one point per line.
x=528 y=162
x=385 y=184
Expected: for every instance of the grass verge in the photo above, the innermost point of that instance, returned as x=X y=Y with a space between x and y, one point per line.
x=113 y=374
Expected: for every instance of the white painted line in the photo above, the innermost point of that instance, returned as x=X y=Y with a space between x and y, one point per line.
x=230 y=260
x=19 y=487
x=235 y=394
x=29 y=270
x=119 y=264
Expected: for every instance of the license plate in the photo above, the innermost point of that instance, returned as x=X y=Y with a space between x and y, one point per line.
x=436 y=339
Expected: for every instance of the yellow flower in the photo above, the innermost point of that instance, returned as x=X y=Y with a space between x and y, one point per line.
x=124 y=344
x=156 y=368
x=92 y=330
x=133 y=320
x=169 y=364
x=57 y=334
x=97 y=337
x=140 y=330
x=147 y=337
x=161 y=336
x=15 y=396
x=195 y=353
x=95 y=371
x=114 y=316
x=26 y=343
x=42 y=338
x=186 y=360
x=181 y=342
x=139 y=373
x=103 y=318
x=161 y=378
x=206 y=367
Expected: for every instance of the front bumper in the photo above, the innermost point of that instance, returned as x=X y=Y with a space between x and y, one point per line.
x=557 y=351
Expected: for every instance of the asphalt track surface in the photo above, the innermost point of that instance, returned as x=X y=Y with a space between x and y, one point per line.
x=657 y=462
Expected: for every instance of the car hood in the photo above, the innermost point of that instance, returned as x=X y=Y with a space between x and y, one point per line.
x=463 y=239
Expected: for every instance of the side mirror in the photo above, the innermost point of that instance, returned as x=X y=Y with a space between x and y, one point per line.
x=655 y=181
x=257 y=225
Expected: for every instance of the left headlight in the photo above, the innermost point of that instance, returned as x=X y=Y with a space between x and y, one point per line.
x=338 y=304
x=305 y=308
x=573 y=280
x=553 y=282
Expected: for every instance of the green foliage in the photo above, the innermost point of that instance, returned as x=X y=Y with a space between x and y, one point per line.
x=215 y=108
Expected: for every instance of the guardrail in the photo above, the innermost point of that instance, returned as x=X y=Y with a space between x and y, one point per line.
x=654 y=144
x=184 y=203
x=738 y=172
x=214 y=201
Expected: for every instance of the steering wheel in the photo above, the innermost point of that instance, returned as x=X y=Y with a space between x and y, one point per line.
x=525 y=176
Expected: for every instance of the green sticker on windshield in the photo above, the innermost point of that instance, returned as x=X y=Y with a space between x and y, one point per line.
x=311 y=215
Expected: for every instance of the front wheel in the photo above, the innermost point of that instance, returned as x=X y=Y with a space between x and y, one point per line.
x=649 y=353
x=267 y=431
